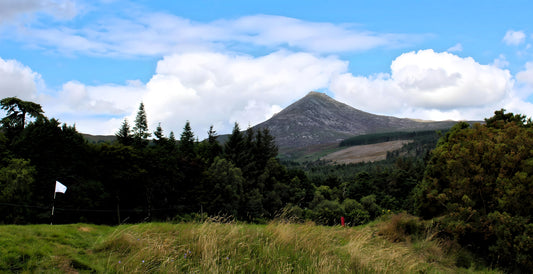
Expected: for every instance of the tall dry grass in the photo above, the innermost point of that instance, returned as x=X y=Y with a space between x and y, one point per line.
x=222 y=247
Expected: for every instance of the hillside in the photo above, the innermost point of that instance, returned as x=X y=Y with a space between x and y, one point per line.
x=319 y=119
x=212 y=247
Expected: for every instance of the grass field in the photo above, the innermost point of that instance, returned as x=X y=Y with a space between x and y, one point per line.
x=219 y=247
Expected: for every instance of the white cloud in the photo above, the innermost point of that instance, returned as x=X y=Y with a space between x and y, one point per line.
x=204 y=88
x=500 y=62
x=270 y=30
x=514 y=37
x=428 y=85
x=59 y=9
x=217 y=89
x=456 y=48
x=18 y=80
x=526 y=76
x=160 y=34
x=94 y=109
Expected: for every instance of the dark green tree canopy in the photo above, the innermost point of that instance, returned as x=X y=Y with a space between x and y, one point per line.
x=501 y=118
x=17 y=110
x=479 y=185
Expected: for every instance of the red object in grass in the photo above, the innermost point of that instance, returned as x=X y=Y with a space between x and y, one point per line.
x=342 y=221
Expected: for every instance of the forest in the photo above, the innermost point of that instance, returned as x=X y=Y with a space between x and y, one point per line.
x=473 y=181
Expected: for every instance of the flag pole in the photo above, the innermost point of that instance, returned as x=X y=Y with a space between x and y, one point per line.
x=59 y=187
x=53 y=205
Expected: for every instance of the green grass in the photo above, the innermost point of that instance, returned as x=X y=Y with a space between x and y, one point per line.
x=213 y=247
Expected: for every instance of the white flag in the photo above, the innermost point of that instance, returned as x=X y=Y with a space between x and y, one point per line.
x=60 y=187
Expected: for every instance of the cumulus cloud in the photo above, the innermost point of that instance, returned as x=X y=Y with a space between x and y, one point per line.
x=18 y=80
x=526 y=76
x=94 y=109
x=218 y=89
x=429 y=85
x=514 y=37
x=205 y=88
x=501 y=61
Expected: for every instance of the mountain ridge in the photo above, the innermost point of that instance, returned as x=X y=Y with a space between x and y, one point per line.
x=319 y=119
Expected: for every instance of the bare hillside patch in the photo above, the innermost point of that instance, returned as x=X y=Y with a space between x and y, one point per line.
x=365 y=153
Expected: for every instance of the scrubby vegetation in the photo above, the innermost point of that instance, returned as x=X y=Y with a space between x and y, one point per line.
x=479 y=182
x=220 y=247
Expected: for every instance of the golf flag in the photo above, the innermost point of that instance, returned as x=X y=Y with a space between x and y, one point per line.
x=60 y=187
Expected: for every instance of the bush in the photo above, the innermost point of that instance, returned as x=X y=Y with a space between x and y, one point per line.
x=479 y=180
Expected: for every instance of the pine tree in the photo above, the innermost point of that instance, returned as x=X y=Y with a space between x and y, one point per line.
x=210 y=148
x=124 y=135
x=159 y=138
x=186 y=145
x=140 y=130
x=234 y=147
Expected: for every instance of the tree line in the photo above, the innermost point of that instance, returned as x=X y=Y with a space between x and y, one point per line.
x=474 y=181
x=139 y=178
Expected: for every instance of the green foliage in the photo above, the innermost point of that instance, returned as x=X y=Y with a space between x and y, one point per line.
x=479 y=179
x=124 y=134
x=209 y=149
x=225 y=182
x=140 y=129
x=501 y=118
x=187 y=142
x=385 y=137
x=16 y=111
x=16 y=185
x=355 y=212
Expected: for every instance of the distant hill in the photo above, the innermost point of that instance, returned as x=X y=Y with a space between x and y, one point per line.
x=99 y=138
x=318 y=119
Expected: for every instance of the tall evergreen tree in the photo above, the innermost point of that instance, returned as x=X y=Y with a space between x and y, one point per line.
x=186 y=145
x=140 y=129
x=234 y=147
x=16 y=112
x=124 y=135
x=159 y=138
x=210 y=148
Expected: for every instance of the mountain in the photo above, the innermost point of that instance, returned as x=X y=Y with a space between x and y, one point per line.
x=318 y=119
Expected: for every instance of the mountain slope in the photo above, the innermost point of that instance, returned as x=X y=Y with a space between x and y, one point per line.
x=319 y=119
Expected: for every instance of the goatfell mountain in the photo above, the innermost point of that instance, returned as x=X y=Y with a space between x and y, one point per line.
x=318 y=119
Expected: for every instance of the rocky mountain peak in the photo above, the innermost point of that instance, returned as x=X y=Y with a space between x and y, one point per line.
x=319 y=119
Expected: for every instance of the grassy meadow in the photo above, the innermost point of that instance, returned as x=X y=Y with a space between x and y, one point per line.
x=227 y=247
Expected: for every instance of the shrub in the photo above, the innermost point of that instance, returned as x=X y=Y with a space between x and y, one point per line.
x=480 y=181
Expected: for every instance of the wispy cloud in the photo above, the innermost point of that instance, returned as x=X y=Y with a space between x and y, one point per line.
x=159 y=34
x=456 y=48
x=59 y=9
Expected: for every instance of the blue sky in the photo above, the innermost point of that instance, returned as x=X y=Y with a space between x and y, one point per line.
x=91 y=63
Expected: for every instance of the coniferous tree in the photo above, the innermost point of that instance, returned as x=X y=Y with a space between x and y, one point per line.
x=210 y=148
x=140 y=129
x=16 y=112
x=186 y=145
x=124 y=135
x=171 y=137
x=234 y=147
x=160 y=139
